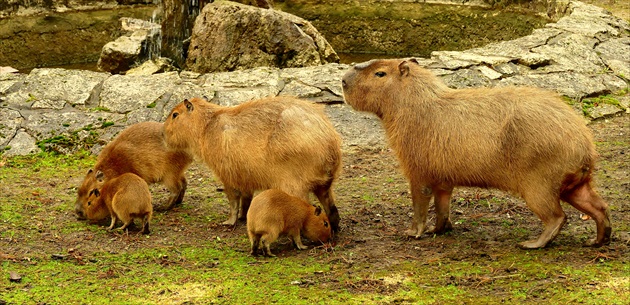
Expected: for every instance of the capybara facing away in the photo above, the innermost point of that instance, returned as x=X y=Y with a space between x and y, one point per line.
x=125 y=197
x=139 y=149
x=274 y=212
x=279 y=142
x=523 y=140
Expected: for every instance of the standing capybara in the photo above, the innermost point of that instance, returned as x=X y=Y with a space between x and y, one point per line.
x=280 y=142
x=125 y=197
x=139 y=149
x=274 y=212
x=523 y=140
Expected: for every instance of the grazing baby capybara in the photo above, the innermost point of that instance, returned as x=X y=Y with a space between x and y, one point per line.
x=125 y=197
x=279 y=142
x=523 y=140
x=139 y=149
x=274 y=212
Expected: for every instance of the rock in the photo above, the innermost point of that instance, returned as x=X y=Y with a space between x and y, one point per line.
x=603 y=110
x=21 y=144
x=123 y=94
x=4 y=70
x=10 y=122
x=126 y=51
x=159 y=65
x=14 y=277
x=233 y=88
x=229 y=36
x=54 y=88
x=318 y=84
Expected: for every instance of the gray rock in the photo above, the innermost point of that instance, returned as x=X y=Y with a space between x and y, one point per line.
x=54 y=88
x=123 y=94
x=9 y=123
x=571 y=84
x=159 y=65
x=229 y=36
x=21 y=144
x=233 y=88
x=603 y=110
x=572 y=52
x=9 y=82
x=319 y=84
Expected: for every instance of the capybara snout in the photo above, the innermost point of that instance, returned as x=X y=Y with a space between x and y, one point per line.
x=523 y=140
x=273 y=213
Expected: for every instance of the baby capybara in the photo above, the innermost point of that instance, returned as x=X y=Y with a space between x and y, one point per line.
x=274 y=212
x=523 y=140
x=125 y=197
x=139 y=149
x=279 y=142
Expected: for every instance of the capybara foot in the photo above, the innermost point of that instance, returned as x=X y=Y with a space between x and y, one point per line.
x=413 y=233
x=302 y=247
x=444 y=229
x=229 y=222
x=595 y=242
x=532 y=244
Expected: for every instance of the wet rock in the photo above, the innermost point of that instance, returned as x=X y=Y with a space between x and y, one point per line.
x=134 y=48
x=230 y=36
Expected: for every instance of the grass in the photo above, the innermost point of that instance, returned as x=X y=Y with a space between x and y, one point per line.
x=188 y=259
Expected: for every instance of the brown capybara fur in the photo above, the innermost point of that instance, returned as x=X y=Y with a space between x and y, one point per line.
x=280 y=142
x=273 y=213
x=125 y=197
x=139 y=149
x=523 y=140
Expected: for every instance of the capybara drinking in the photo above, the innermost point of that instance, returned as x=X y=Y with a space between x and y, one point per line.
x=274 y=212
x=125 y=197
x=523 y=140
x=139 y=149
x=279 y=142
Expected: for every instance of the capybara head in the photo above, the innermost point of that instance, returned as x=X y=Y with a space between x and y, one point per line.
x=88 y=184
x=183 y=128
x=94 y=207
x=317 y=226
x=372 y=85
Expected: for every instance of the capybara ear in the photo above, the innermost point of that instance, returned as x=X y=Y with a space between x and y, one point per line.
x=189 y=105
x=90 y=171
x=100 y=176
x=318 y=211
x=415 y=61
x=403 y=67
x=205 y=98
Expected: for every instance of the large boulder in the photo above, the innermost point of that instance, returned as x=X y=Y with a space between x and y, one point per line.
x=138 y=44
x=230 y=36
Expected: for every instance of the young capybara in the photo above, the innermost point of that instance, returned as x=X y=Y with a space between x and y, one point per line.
x=279 y=142
x=125 y=197
x=274 y=212
x=139 y=149
x=523 y=140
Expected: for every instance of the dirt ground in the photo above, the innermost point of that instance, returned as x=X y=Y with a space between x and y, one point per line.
x=375 y=206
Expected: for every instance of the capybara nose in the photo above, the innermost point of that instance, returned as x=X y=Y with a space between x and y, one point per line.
x=80 y=215
x=343 y=83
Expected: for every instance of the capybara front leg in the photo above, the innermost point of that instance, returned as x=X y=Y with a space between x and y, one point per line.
x=111 y=226
x=234 y=199
x=297 y=239
x=585 y=199
x=246 y=201
x=177 y=187
x=548 y=209
x=420 y=196
x=442 y=198
x=326 y=197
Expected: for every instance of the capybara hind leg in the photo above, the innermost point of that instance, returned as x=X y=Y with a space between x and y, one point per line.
x=548 y=209
x=234 y=198
x=585 y=199
x=145 y=224
x=254 y=241
x=246 y=201
x=265 y=242
x=420 y=197
x=326 y=197
x=125 y=225
x=442 y=198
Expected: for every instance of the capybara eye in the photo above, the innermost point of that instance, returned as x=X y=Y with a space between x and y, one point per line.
x=175 y=114
x=380 y=73
x=89 y=203
x=325 y=224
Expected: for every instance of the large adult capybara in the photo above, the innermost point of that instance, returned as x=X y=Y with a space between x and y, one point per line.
x=274 y=212
x=523 y=140
x=139 y=149
x=125 y=197
x=279 y=142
